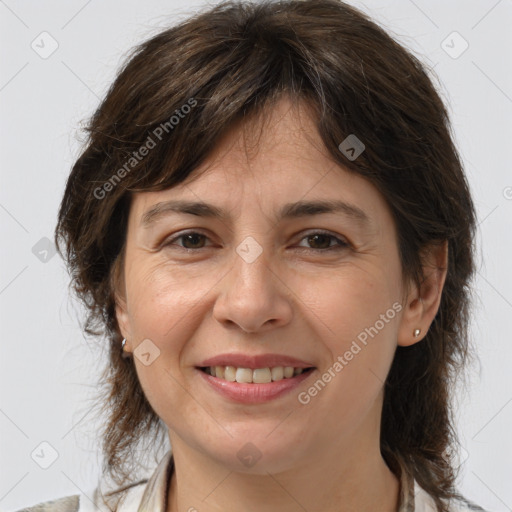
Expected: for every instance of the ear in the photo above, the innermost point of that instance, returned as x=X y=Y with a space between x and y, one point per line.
x=122 y=318
x=121 y=308
x=422 y=302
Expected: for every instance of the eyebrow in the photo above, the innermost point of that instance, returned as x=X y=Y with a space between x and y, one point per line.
x=288 y=211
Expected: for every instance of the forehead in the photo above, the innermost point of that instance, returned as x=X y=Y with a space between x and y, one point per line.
x=272 y=159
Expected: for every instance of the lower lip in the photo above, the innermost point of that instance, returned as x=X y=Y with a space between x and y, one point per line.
x=254 y=393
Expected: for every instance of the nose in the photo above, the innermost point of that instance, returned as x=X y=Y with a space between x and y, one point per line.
x=253 y=296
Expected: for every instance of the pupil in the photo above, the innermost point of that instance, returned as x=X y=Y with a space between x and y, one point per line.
x=315 y=237
x=193 y=236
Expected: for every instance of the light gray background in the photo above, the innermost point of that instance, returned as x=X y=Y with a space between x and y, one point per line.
x=47 y=368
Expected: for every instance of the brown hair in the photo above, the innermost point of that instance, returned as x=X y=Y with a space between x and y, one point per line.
x=230 y=62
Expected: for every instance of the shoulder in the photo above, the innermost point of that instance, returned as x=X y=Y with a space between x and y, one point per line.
x=466 y=506
x=65 y=504
x=425 y=503
x=122 y=500
x=148 y=493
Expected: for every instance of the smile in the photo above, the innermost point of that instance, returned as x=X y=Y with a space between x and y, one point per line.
x=253 y=385
x=255 y=376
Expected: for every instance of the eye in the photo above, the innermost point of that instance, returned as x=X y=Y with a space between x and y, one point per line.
x=195 y=240
x=192 y=240
x=323 y=239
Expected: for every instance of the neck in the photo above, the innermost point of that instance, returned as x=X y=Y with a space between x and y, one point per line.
x=347 y=477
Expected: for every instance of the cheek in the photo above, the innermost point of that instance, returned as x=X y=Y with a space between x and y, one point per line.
x=345 y=303
x=165 y=302
x=167 y=307
x=165 y=310
x=355 y=314
x=355 y=318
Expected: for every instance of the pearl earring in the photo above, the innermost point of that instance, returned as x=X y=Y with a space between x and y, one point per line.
x=416 y=332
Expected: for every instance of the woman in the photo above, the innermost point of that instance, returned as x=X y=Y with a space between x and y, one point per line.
x=271 y=228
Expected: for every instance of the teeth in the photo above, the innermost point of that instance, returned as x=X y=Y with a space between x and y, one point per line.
x=256 y=376
x=261 y=375
x=277 y=373
x=230 y=373
x=243 y=375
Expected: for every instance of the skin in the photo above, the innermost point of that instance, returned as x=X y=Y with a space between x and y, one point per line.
x=296 y=298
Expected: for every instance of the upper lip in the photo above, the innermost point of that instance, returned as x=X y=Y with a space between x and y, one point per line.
x=254 y=361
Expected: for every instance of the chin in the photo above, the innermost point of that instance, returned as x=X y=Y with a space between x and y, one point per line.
x=256 y=454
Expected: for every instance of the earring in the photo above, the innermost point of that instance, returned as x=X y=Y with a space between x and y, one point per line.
x=416 y=332
x=124 y=354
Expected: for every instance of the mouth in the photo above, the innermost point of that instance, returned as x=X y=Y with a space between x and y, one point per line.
x=254 y=375
x=253 y=385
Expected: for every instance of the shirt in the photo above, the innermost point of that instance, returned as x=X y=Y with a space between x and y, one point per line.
x=150 y=495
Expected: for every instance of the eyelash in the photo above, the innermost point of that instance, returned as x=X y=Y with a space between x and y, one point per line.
x=341 y=244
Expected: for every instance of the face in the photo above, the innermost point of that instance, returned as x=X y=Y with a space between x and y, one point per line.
x=265 y=277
